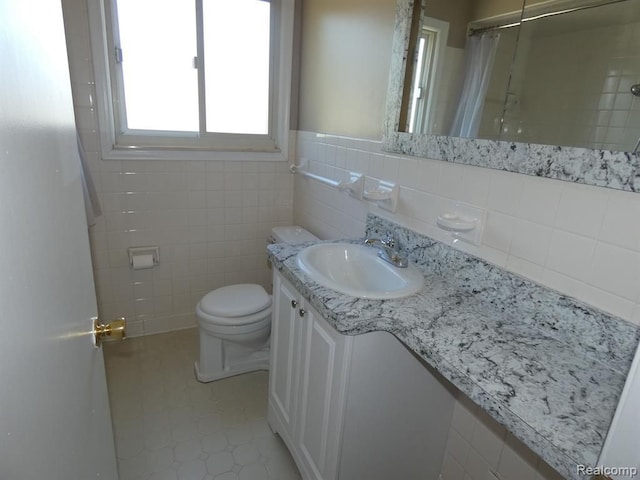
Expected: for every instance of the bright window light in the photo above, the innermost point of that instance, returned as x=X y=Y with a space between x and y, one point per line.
x=158 y=41
x=193 y=79
x=236 y=46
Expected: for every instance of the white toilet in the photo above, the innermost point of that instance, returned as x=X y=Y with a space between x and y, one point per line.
x=235 y=322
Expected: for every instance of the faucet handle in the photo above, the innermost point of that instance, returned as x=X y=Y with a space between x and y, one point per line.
x=389 y=240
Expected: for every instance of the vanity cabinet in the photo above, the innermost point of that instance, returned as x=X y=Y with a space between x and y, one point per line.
x=307 y=382
x=284 y=362
x=351 y=407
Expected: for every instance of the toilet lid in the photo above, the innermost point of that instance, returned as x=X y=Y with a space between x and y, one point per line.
x=235 y=300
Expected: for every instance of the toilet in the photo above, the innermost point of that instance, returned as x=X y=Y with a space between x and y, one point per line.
x=235 y=322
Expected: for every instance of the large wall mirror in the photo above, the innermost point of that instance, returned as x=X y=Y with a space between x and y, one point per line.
x=547 y=88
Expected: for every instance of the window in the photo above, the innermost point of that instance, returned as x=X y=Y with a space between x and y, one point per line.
x=186 y=79
x=432 y=42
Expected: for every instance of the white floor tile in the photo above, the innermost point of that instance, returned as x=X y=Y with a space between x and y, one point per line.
x=168 y=426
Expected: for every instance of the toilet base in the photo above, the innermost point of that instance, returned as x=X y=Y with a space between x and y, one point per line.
x=222 y=358
x=233 y=370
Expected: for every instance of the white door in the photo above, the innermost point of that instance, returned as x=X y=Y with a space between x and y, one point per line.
x=54 y=413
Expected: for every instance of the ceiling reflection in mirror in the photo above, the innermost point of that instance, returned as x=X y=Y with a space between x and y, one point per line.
x=557 y=72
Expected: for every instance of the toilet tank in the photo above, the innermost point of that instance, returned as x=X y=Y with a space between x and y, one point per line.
x=292 y=235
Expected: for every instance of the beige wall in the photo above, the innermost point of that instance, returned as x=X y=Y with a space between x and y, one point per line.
x=458 y=13
x=491 y=8
x=345 y=52
x=344 y=66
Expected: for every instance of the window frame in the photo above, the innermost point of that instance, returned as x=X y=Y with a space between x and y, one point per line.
x=181 y=145
x=436 y=33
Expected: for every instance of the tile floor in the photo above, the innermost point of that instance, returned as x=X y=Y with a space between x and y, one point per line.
x=168 y=426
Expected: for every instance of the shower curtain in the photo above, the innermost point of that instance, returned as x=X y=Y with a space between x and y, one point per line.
x=480 y=52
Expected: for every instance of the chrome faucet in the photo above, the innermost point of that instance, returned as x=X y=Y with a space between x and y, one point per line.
x=387 y=251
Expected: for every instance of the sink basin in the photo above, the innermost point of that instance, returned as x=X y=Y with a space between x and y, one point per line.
x=357 y=270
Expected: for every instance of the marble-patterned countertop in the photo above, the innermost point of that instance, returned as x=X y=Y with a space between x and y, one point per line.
x=547 y=367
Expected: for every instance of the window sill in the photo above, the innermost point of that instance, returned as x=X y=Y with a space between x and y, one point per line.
x=195 y=155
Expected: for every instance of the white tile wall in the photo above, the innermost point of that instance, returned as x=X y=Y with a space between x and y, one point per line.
x=591 y=72
x=210 y=219
x=478 y=448
x=583 y=241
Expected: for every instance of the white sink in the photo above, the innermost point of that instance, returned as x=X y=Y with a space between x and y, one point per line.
x=357 y=270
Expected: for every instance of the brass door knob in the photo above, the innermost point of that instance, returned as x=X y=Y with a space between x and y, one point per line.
x=115 y=330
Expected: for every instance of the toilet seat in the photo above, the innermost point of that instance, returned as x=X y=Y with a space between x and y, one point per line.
x=235 y=310
x=234 y=325
x=233 y=301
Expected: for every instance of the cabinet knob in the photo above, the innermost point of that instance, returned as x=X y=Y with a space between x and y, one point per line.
x=302 y=312
x=294 y=304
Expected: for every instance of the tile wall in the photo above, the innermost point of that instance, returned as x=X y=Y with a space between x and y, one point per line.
x=590 y=103
x=478 y=448
x=580 y=240
x=210 y=219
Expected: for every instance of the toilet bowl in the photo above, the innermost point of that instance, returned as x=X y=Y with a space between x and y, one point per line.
x=235 y=322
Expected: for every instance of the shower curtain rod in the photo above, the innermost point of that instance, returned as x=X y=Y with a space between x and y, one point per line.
x=478 y=31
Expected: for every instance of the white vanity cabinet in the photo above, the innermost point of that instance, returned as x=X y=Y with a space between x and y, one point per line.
x=307 y=382
x=285 y=358
x=352 y=407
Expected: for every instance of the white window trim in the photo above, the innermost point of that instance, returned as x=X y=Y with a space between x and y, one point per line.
x=430 y=78
x=281 y=88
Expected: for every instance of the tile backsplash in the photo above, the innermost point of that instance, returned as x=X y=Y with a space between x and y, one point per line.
x=580 y=240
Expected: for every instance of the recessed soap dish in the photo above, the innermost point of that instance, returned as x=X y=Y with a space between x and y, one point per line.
x=382 y=193
x=463 y=222
x=456 y=223
x=378 y=194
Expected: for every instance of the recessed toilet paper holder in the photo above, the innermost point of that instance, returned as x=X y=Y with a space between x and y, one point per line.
x=151 y=250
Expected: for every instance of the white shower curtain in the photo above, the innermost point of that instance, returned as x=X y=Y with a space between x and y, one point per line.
x=480 y=52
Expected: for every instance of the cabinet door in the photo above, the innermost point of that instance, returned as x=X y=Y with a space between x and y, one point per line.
x=322 y=396
x=284 y=358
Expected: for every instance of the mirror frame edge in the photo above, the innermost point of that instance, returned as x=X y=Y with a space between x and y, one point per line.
x=600 y=168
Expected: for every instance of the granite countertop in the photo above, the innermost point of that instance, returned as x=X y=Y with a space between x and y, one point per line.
x=547 y=367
